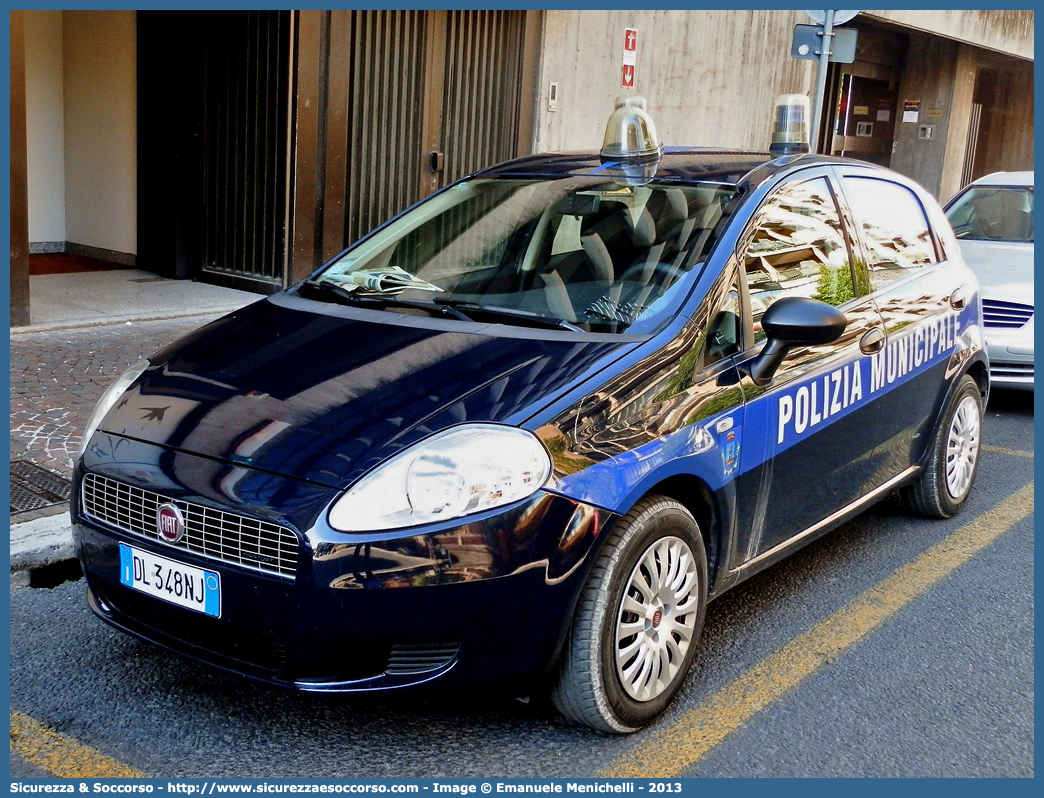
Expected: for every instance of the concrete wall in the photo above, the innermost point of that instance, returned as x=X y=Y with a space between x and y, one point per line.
x=1006 y=131
x=965 y=71
x=45 y=125
x=711 y=77
x=1009 y=32
x=929 y=78
x=690 y=65
x=947 y=77
x=101 y=129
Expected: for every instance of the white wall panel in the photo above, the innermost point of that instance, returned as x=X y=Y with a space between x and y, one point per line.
x=101 y=129
x=710 y=77
x=45 y=125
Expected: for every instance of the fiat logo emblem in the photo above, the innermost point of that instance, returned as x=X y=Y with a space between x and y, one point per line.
x=170 y=523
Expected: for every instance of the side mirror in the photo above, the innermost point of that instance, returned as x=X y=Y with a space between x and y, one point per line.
x=794 y=321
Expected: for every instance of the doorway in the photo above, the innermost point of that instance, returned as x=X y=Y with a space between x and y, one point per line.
x=860 y=121
x=433 y=96
x=864 y=125
x=213 y=126
x=269 y=141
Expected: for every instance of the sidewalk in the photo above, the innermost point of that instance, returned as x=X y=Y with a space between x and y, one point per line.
x=82 y=299
x=61 y=367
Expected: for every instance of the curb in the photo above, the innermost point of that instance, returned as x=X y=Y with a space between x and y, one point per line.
x=132 y=319
x=40 y=543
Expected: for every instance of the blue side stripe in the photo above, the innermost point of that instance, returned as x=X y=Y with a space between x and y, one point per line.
x=697 y=449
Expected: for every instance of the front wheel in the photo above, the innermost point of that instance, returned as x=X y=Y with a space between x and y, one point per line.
x=638 y=621
x=943 y=487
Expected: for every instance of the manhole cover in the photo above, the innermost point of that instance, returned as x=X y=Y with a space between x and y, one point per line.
x=33 y=487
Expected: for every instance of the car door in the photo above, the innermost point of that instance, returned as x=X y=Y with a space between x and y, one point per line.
x=920 y=297
x=807 y=443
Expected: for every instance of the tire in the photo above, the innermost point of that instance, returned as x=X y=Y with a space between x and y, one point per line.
x=589 y=687
x=940 y=491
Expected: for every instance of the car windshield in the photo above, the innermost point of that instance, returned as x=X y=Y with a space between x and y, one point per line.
x=988 y=213
x=579 y=253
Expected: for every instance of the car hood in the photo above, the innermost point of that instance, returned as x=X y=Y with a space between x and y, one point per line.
x=1005 y=270
x=324 y=393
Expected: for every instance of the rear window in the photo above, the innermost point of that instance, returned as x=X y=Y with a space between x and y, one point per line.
x=893 y=226
x=993 y=213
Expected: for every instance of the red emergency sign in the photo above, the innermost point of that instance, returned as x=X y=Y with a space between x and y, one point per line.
x=630 y=55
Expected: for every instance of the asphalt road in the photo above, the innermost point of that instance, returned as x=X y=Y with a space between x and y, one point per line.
x=942 y=687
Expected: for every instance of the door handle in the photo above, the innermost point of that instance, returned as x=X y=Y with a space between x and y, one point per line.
x=957 y=300
x=437 y=161
x=872 y=342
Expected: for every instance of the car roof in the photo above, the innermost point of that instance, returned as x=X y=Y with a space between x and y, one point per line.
x=740 y=168
x=1006 y=179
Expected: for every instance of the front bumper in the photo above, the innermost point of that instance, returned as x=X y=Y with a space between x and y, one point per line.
x=1011 y=356
x=486 y=601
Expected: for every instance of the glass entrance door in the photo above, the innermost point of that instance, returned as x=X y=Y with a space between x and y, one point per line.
x=864 y=125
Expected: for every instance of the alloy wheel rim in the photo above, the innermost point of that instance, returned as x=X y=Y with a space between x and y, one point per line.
x=962 y=447
x=656 y=618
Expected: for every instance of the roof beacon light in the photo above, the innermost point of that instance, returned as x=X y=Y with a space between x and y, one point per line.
x=630 y=134
x=790 y=133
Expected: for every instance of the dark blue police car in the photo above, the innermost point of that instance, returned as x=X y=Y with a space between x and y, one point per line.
x=525 y=431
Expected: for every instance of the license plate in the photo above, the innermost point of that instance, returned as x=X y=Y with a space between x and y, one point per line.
x=193 y=588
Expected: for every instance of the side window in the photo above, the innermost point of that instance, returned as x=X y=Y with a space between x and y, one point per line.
x=993 y=213
x=893 y=227
x=724 y=327
x=797 y=249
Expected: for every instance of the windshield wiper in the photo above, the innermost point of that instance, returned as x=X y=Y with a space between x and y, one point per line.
x=386 y=300
x=507 y=313
x=462 y=309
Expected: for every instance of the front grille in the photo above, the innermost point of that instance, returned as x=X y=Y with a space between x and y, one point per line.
x=220 y=535
x=1002 y=370
x=420 y=657
x=1007 y=315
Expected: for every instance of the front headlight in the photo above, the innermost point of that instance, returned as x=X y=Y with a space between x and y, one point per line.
x=109 y=398
x=460 y=471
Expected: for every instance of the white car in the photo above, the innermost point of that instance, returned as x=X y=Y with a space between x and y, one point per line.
x=993 y=221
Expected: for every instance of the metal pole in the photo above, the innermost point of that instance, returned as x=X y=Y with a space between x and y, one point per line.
x=821 y=74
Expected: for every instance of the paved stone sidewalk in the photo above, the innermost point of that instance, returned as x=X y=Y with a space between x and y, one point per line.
x=58 y=377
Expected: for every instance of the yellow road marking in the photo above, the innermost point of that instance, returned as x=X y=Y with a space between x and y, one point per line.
x=1001 y=450
x=668 y=751
x=63 y=756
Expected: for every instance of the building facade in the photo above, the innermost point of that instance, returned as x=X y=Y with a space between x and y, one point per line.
x=246 y=148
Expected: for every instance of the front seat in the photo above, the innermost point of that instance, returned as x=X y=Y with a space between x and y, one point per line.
x=577 y=277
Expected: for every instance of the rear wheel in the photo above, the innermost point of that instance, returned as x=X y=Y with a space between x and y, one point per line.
x=943 y=487
x=638 y=621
